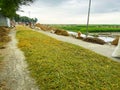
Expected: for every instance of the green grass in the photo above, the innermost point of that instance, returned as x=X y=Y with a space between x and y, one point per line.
x=92 y=28
x=57 y=65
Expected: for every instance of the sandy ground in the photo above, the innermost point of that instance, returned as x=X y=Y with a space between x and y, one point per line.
x=15 y=75
x=105 y=50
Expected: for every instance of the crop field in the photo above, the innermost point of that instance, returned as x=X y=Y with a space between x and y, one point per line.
x=57 y=65
x=92 y=28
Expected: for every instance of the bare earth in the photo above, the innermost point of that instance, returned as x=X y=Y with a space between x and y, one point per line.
x=105 y=50
x=15 y=75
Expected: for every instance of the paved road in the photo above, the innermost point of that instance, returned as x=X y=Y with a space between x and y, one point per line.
x=105 y=50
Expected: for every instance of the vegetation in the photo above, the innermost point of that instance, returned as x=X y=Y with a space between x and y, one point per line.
x=4 y=38
x=44 y=27
x=94 y=40
x=57 y=65
x=9 y=7
x=115 y=42
x=61 y=32
x=25 y=19
x=92 y=28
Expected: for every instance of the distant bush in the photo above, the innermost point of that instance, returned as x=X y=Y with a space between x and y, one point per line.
x=94 y=40
x=61 y=32
x=115 y=41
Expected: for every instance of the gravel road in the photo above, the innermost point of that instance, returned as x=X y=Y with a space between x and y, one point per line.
x=15 y=75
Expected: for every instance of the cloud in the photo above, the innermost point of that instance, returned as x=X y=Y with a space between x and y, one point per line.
x=73 y=11
x=49 y=3
x=105 y=6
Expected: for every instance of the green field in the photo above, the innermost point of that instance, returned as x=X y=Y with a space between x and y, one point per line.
x=92 y=28
x=57 y=65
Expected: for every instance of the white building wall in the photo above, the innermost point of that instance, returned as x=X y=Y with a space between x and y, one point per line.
x=4 y=21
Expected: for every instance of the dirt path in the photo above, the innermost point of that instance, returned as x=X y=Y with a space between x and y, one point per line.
x=105 y=50
x=15 y=75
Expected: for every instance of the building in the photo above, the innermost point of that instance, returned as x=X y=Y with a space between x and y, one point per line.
x=4 y=21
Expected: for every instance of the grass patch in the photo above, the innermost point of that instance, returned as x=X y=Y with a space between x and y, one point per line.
x=57 y=65
x=91 y=29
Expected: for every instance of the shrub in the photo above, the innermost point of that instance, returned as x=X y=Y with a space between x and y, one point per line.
x=4 y=38
x=115 y=41
x=61 y=32
x=4 y=31
x=94 y=40
x=40 y=26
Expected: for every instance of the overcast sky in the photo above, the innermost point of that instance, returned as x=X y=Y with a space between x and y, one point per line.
x=73 y=11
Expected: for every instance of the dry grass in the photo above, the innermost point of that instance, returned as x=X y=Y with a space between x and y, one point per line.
x=61 y=32
x=115 y=41
x=44 y=27
x=57 y=65
x=94 y=40
x=49 y=28
x=4 y=38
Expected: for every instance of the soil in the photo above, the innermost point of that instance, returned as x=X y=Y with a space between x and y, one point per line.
x=15 y=75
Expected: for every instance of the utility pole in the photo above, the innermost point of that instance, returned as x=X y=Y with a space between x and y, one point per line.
x=88 y=18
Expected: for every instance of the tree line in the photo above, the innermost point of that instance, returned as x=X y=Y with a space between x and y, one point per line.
x=25 y=19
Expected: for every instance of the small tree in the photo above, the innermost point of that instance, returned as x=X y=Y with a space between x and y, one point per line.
x=9 y=7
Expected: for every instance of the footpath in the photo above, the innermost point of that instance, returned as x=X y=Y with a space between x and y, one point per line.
x=14 y=74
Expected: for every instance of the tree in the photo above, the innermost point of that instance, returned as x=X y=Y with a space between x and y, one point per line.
x=25 y=19
x=9 y=7
x=35 y=20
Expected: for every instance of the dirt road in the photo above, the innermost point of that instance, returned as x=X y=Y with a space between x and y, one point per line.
x=15 y=75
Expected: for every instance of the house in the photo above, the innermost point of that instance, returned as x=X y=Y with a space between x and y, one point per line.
x=4 y=21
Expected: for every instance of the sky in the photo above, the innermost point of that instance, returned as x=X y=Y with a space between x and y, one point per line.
x=73 y=11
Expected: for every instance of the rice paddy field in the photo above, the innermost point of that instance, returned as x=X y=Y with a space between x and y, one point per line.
x=91 y=29
x=57 y=65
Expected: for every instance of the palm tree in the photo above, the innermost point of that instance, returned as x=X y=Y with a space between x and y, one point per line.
x=88 y=18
